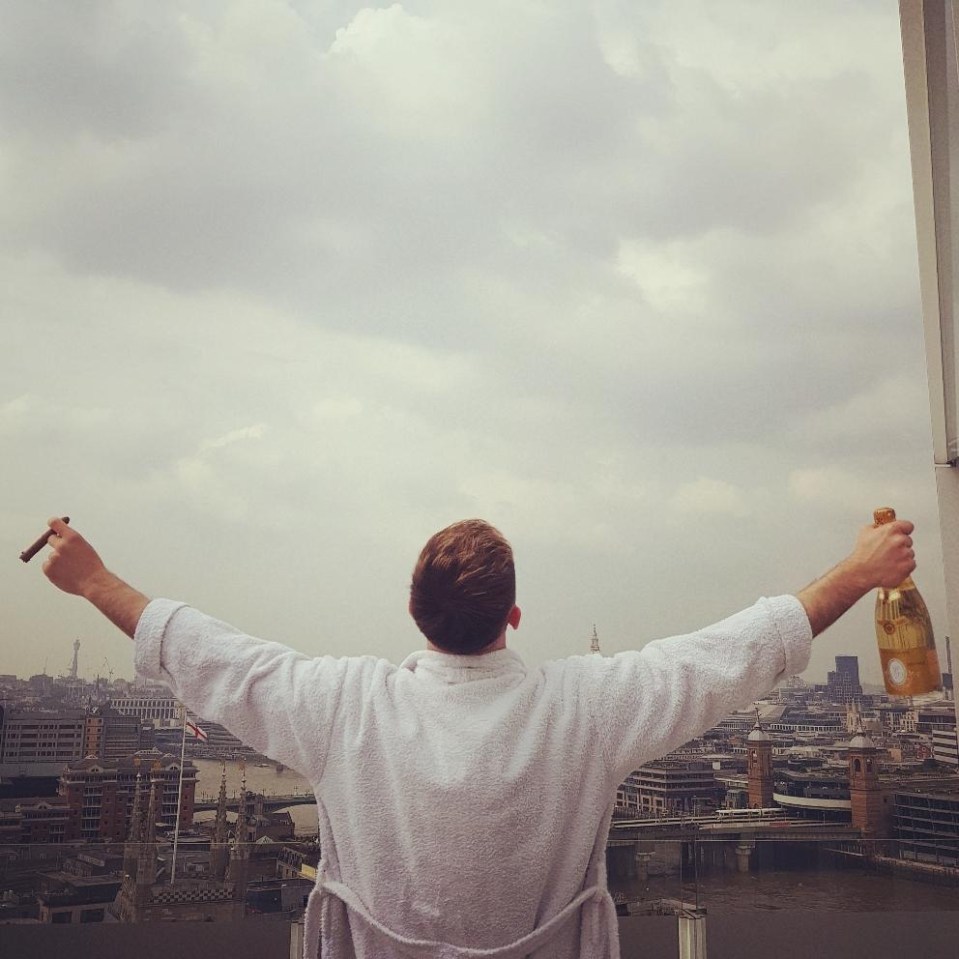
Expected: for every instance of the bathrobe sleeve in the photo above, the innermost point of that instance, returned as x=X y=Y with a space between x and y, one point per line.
x=275 y=699
x=655 y=699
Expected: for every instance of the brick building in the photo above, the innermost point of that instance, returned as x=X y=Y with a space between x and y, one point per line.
x=101 y=792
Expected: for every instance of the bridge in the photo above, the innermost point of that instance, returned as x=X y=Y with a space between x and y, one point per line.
x=271 y=802
x=708 y=839
x=728 y=824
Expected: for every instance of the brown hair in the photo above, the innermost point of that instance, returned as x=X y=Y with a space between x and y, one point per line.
x=464 y=587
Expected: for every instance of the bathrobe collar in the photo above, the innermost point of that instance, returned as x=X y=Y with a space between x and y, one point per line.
x=450 y=668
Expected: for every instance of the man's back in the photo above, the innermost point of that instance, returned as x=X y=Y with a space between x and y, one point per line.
x=463 y=796
x=463 y=800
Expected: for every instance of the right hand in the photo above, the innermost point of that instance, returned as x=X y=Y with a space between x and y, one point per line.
x=883 y=555
x=72 y=564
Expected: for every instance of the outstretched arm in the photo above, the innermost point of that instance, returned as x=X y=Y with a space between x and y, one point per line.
x=278 y=701
x=882 y=556
x=663 y=695
x=74 y=566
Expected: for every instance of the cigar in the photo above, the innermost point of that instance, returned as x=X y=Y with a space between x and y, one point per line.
x=41 y=541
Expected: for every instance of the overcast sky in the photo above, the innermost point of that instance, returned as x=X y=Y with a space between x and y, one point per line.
x=288 y=286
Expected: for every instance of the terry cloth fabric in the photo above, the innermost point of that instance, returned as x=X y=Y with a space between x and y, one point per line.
x=464 y=801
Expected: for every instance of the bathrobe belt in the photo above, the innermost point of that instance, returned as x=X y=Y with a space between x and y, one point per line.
x=444 y=950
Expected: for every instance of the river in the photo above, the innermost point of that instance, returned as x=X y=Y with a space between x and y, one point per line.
x=850 y=888
x=847 y=887
x=260 y=779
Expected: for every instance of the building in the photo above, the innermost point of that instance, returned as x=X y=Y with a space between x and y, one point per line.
x=110 y=734
x=254 y=822
x=145 y=897
x=78 y=900
x=808 y=721
x=869 y=806
x=945 y=745
x=219 y=741
x=842 y=685
x=40 y=820
x=102 y=792
x=298 y=862
x=40 y=738
x=160 y=707
x=759 y=767
x=926 y=823
x=935 y=716
x=667 y=787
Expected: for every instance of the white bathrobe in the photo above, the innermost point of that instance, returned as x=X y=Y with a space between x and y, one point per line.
x=464 y=801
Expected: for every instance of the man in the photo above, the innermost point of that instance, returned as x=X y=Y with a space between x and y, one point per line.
x=464 y=798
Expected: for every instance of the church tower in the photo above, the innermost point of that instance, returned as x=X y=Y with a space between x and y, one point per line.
x=868 y=807
x=239 y=873
x=147 y=851
x=759 y=753
x=131 y=847
x=219 y=844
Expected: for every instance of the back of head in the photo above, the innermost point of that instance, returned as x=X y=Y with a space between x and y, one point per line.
x=464 y=587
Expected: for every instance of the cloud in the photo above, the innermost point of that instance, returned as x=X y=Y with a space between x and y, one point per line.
x=706 y=496
x=313 y=280
x=253 y=432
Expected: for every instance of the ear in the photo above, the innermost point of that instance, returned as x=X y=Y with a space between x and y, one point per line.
x=515 y=614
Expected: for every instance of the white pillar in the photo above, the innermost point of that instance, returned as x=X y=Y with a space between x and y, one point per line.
x=296 y=939
x=947 y=488
x=692 y=935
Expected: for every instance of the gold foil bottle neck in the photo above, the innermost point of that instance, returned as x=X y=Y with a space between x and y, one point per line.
x=885 y=514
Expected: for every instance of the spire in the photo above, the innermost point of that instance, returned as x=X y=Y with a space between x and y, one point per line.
x=241 y=813
x=758 y=733
x=131 y=849
x=219 y=831
x=150 y=830
x=594 y=642
x=136 y=816
x=219 y=844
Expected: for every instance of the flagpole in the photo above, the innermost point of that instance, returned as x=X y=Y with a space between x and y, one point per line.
x=179 y=799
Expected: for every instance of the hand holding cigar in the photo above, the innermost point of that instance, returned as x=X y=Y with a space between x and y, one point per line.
x=39 y=543
x=75 y=567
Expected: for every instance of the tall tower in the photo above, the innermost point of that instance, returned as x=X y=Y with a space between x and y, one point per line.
x=135 y=836
x=594 y=642
x=147 y=853
x=868 y=808
x=220 y=844
x=759 y=753
x=73 y=665
x=240 y=850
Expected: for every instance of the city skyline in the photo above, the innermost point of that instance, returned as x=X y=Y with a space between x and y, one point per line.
x=93 y=676
x=290 y=286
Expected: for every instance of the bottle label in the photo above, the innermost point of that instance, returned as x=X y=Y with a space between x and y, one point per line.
x=910 y=672
x=898 y=673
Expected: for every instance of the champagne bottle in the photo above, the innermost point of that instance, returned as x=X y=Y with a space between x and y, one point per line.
x=907 y=648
